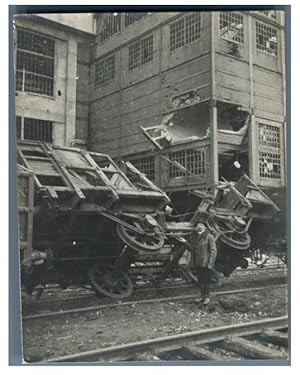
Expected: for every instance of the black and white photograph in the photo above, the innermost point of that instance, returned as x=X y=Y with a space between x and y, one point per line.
x=152 y=179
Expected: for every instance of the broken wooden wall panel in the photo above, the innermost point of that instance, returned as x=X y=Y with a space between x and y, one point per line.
x=230 y=138
x=204 y=93
x=233 y=96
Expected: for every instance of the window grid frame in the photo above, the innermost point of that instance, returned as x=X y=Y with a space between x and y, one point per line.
x=185 y=30
x=265 y=158
x=30 y=63
x=227 y=17
x=111 y=27
x=34 y=129
x=136 y=52
x=105 y=70
x=265 y=32
x=177 y=34
x=272 y=136
x=146 y=166
x=269 y=13
x=194 y=160
x=192 y=27
x=131 y=18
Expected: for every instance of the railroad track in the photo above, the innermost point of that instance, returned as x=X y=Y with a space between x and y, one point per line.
x=263 y=339
x=89 y=293
x=142 y=301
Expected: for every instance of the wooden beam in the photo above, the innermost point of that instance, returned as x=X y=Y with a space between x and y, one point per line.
x=205 y=354
x=275 y=337
x=251 y=349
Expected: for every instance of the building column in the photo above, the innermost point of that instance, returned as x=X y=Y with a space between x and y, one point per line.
x=253 y=150
x=70 y=95
x=214 y=160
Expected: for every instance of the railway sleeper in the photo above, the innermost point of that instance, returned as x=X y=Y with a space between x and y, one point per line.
x=275 y=337
x=251 y=349
x=204 y=354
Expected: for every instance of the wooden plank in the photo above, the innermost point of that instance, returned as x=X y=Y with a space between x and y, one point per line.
x=251 y=349
x=275 y=337
x=202 y=353
x=191 y=67
x=64 y=173
x=225 y=63
x=233 y=82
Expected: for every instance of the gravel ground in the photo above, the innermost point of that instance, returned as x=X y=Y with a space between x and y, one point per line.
x=53 y=337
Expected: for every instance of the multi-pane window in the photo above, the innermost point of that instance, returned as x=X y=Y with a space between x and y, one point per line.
x=231 y=26
x=111 y=26
x=192 y=160
x=131 y=18
x=269 y=13
x=146 y=166
x=33 y=129
x=104 y=70
x=192 y=27
x=269 y=165
x=140 y=52
x=35 y=63
x=269 y=135
x=266 y=38
x=185 y=30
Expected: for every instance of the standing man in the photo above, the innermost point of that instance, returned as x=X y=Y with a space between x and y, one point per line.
x=203 y=249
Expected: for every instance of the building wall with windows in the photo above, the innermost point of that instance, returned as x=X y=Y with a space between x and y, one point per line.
x=136 y=72
x=49 y=80
x=203 y=74
x=250 y=72
x=213 y=73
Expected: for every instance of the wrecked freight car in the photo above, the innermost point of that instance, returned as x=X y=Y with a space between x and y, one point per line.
x=77 y=211
x=83 y=220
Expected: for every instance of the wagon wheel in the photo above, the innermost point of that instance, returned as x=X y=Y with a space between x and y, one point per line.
x=147 y=243
x=107 y=280
x=229 y=235
x=236 y=240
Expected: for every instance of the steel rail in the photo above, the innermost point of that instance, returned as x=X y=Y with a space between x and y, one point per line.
x=173 y=342
x=152 y=300
x=238 y=272
x=92 y=294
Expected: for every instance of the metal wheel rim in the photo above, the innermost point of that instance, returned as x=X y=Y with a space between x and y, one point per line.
x=144 y=247
x=242 y=243
x=103 y=279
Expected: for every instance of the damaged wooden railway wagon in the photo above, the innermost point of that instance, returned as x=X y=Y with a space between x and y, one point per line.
x=82 y=219
x=76 y=212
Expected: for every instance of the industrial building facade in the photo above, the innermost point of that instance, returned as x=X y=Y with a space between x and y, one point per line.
x=210 y=86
